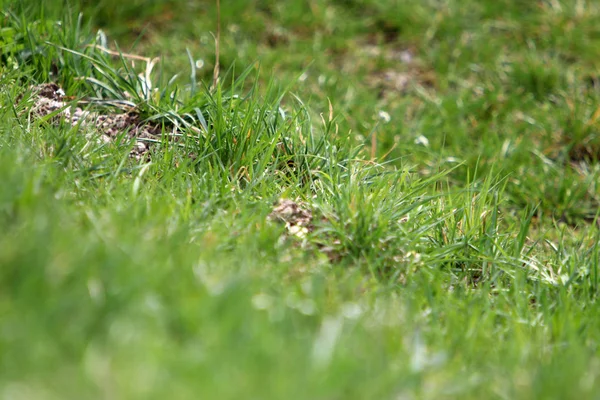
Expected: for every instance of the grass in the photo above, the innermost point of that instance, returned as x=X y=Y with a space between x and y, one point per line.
x=448 y=153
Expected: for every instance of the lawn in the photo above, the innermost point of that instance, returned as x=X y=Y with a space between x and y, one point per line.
x=376 y=199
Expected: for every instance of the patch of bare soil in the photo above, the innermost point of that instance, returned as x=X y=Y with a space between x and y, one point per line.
x=298 y=218
x=403 y=70
x=587 y=151
x=49 y=102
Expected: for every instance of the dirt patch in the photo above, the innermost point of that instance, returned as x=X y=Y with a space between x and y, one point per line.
x=587 y=150
x=298 y=218
x=49 y=102
x=402 y=71
x=390 y=81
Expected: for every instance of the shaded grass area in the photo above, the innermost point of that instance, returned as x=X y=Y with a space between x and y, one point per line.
x=466 y=253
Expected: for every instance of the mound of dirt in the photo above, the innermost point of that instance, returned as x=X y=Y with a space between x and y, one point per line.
x=49 y=103
x=296 y=216
x=299 y=221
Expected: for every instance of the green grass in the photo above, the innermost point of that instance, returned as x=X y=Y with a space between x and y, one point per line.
x=458 y=210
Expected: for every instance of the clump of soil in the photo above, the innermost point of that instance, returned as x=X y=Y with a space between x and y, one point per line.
x=298 y=218
x=404 y=70
x=393 y=82
x=585 y=151
x=49 y=102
